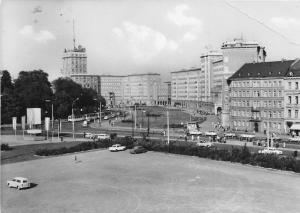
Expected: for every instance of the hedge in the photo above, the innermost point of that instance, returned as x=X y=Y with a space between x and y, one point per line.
x=5 y=147
x=84 y=146
x=241 y=155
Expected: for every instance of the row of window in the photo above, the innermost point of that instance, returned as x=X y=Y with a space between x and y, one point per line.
x=277 y=83
x=273 y=125
x=273 y=104
x=292 y=113
x=257 y=93
x=296 y=100
x=263 y=114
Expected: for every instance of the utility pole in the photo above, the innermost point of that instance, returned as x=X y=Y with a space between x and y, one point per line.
x=132 y=126
x=73 y=124
x=148 y=126
x=52 y=121
x=168 y=126
x=100 y=114
x=135 y=116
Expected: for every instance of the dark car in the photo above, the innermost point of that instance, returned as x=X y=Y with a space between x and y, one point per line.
x=138 y=150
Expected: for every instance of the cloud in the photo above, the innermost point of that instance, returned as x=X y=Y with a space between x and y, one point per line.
x=285 y=22
x=41 y=36
x=37 y=9
x=189 y=36
x=178 y=17
x=144 y=42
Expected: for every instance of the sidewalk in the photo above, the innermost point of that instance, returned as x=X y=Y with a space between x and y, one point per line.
x=13 y=140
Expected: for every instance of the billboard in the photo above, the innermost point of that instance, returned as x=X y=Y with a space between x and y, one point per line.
x=47 y=123
x=14 y=121
x=33 y=116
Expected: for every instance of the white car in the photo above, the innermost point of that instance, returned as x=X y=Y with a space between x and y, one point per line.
x=102 y=136
x=116 y=147
x=206 y=144
x=19 y=183
x=105 y=117
x=270 y=150
x=195 y=132
x=89 y=135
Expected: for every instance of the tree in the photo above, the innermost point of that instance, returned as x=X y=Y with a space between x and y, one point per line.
x=32 y=88
x=67 y=91
x=8 y=100
x=6 y=82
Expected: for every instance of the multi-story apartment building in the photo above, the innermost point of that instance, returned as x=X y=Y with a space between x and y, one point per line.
x=141 y=88
x=292 y=97
x=88 y=81
x=185 y=87
x=112 y=89
x=235 y=54
x=164 y=93
x=263 y=96
x=217 y=85
x=186 y=90
x=207 y=75
x=74 y=61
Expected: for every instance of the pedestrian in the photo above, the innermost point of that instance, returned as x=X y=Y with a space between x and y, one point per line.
x=75 y=158
x=84 y=134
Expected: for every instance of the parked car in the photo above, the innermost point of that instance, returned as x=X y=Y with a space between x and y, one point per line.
x=206 y=144
x=102 y=136
x=195 y=132
x=18 y=183
x=106 y=117
x=138 y=150
x=89 y=135
x=117 y=147
x=270 y=150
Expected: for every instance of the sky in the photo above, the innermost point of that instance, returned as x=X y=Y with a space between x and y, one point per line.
x=140 y=36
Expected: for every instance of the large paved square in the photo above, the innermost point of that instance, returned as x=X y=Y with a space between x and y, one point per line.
x=101 y=181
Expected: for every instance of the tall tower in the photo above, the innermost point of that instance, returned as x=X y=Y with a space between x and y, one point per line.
x=206 y=74
x=235 y=55
x=74 y=60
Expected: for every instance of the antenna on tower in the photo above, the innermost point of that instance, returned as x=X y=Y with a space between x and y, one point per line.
x=74 y=44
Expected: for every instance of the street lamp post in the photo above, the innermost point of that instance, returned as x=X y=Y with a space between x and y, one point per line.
x=99 y=111
x=73 y=124
x=52 y=118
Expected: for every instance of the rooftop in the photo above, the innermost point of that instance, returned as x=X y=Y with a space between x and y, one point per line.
x=188 y=70
x=268 y=69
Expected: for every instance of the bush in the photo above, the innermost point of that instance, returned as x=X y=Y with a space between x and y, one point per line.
x=174 y=126
x=127 y=121
x=5 y=147
x=113 y=136
x=241 y=155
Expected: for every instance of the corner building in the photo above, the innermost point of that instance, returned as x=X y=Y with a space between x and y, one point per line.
x=257 y=96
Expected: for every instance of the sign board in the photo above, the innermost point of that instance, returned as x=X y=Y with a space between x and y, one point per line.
x=47 y=123
x=34 y=116
x=23 y=122
x=14 y=122
x=34 y=131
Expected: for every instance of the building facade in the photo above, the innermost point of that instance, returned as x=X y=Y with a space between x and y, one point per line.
x=292 y=98
x=207 y=75
x=74 y=61
x=88 y=81
x=112 y=89
x=235 y=55
x=164 y=94
x=264 y=97
x=141 y=88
